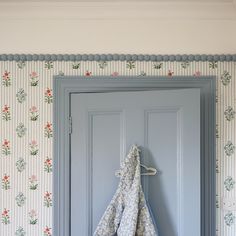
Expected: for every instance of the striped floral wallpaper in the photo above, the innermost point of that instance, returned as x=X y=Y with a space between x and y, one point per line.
x=26 y=134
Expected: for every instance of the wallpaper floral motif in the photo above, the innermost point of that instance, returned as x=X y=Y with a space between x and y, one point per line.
x=26 y=134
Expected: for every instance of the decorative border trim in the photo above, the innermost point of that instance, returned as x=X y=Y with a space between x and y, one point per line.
x=115 y=57
x=65 y=85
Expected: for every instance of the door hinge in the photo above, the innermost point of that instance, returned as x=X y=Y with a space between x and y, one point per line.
x=70 y=125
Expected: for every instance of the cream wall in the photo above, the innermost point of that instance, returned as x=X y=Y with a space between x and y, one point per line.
x=118 y=28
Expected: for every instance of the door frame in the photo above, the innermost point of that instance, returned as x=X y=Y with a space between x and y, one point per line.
x=64 y=86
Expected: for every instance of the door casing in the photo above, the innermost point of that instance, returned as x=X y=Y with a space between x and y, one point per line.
x=64 y=86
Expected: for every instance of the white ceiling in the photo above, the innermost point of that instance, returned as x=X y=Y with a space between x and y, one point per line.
x=117 y=1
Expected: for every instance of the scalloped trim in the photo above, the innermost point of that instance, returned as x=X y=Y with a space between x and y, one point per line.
x=114 y=57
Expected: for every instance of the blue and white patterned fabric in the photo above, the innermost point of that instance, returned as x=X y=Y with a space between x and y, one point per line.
x=127 y=213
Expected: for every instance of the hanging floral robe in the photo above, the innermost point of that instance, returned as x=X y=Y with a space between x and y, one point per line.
x=127 y=213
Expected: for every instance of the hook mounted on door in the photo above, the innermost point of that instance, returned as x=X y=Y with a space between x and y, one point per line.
x=150 y=171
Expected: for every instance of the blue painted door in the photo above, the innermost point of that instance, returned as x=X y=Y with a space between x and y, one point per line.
x=166 y=125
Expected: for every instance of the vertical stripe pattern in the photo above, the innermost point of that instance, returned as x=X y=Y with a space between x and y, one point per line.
x=26 y=135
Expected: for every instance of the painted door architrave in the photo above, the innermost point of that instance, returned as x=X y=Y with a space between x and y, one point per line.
x=64 y=86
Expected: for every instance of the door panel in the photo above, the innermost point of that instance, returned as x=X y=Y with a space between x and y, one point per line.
x=166 y=125
x=164 y=196
x=103 y=163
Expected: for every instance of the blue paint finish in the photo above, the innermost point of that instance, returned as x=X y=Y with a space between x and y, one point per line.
x=114 y=57
x=162 y=123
